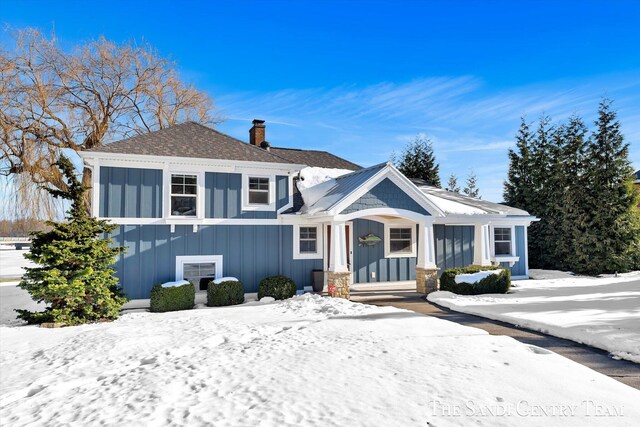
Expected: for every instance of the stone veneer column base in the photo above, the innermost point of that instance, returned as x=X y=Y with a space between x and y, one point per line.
x=341 y=280
x=426 y=280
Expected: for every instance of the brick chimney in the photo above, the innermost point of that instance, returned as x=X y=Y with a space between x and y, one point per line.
x=257 y=133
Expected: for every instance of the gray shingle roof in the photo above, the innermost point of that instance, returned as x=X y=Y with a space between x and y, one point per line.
x=190 y=140
x=636 y=175
x=315 y=158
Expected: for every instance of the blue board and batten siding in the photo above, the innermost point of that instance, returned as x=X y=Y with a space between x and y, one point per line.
x=130 y=193
x=223 y=197
x=250 y=253
x=454 y=245
x=137 y=193
x=368 y=259
x=385 y=195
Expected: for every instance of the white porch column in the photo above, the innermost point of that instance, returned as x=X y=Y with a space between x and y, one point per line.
x=426 y=247
x=338 y=252
x=426 y=268
x=338 y=276
x=482 y=245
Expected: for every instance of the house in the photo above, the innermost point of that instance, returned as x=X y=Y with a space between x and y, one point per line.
x=191 y=202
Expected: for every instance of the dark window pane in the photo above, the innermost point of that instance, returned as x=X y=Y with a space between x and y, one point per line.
x=177 y=179
x=503 y=248
x=259 y=197
x=190 y=189
x=307 y=232
x=307 y=246
x=176 y=189
x=190 y=179
x=183 y=206
x=502 y=234
x=400 y=245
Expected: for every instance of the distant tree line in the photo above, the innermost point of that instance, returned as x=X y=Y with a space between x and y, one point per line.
x=578 y=182
x=20 y=227
x=418 y=161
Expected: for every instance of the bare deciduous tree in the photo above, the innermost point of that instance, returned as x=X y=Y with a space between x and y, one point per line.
x=53 y=100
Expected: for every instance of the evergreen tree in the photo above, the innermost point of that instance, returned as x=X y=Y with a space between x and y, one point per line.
x=471 y=186
x=418 y=161
x=518 y=188
x=607 y=233
x=73 y=274
x=573 y=185
x=540 y=196
x=452 y=184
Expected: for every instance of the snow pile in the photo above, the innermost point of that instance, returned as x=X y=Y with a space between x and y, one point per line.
x=451 y=207
x=301 y=361
x=226 y=279
x=601 y=312
x=475 y=277
x=175 y=284
x=315 y=182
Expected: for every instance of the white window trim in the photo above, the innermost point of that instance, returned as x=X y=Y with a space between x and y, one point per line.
x=181 y=260
x=512 y=257
x=200 y=205
x=387 y=240
x=246 y=206
x=318 y=254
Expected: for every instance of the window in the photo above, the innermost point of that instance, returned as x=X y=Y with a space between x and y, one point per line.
x=308 y=240
x=258 y=191
x=193 y=272
x=196 y=267
x=184 y=190
x=399 y=240
x=502 y=241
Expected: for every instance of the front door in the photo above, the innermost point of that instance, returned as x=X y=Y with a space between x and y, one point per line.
x=347 y=238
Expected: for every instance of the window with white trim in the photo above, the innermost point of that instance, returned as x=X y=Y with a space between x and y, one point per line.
x=502 y=241
x=196 y=267
x=400 y=240
x=259 y=191
x=308 y=240
x=184 y=195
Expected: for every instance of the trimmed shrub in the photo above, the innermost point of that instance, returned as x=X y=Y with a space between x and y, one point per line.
x=493 y=284
x=172 y=299
x=278 y=287
x=225 y=293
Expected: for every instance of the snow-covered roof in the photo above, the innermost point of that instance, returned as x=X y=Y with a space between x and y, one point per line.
x=325 y=195
x=459 y=204
x=323 y=189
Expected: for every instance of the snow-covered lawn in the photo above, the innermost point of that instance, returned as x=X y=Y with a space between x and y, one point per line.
x=601 y=312
x=305 y=361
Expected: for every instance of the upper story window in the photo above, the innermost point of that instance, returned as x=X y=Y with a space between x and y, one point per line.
x=502 y=239
x=184 y=194
x=258 y=191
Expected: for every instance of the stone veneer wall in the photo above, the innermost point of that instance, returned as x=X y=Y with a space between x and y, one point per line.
x=426 y=280
x=342 y=281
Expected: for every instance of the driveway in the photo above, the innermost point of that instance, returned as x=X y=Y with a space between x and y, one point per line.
x=596 y=359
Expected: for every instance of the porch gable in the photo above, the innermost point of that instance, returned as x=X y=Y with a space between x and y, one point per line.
x=385 y=194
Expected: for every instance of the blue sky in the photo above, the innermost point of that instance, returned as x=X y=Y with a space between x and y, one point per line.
x=360 y=78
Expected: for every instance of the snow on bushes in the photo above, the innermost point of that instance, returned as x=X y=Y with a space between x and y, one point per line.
x=476 y=280
x=176 y=296
x=228 y=292
x=278 y=287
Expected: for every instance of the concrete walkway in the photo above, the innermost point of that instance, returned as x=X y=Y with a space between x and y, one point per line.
x=596 y=359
